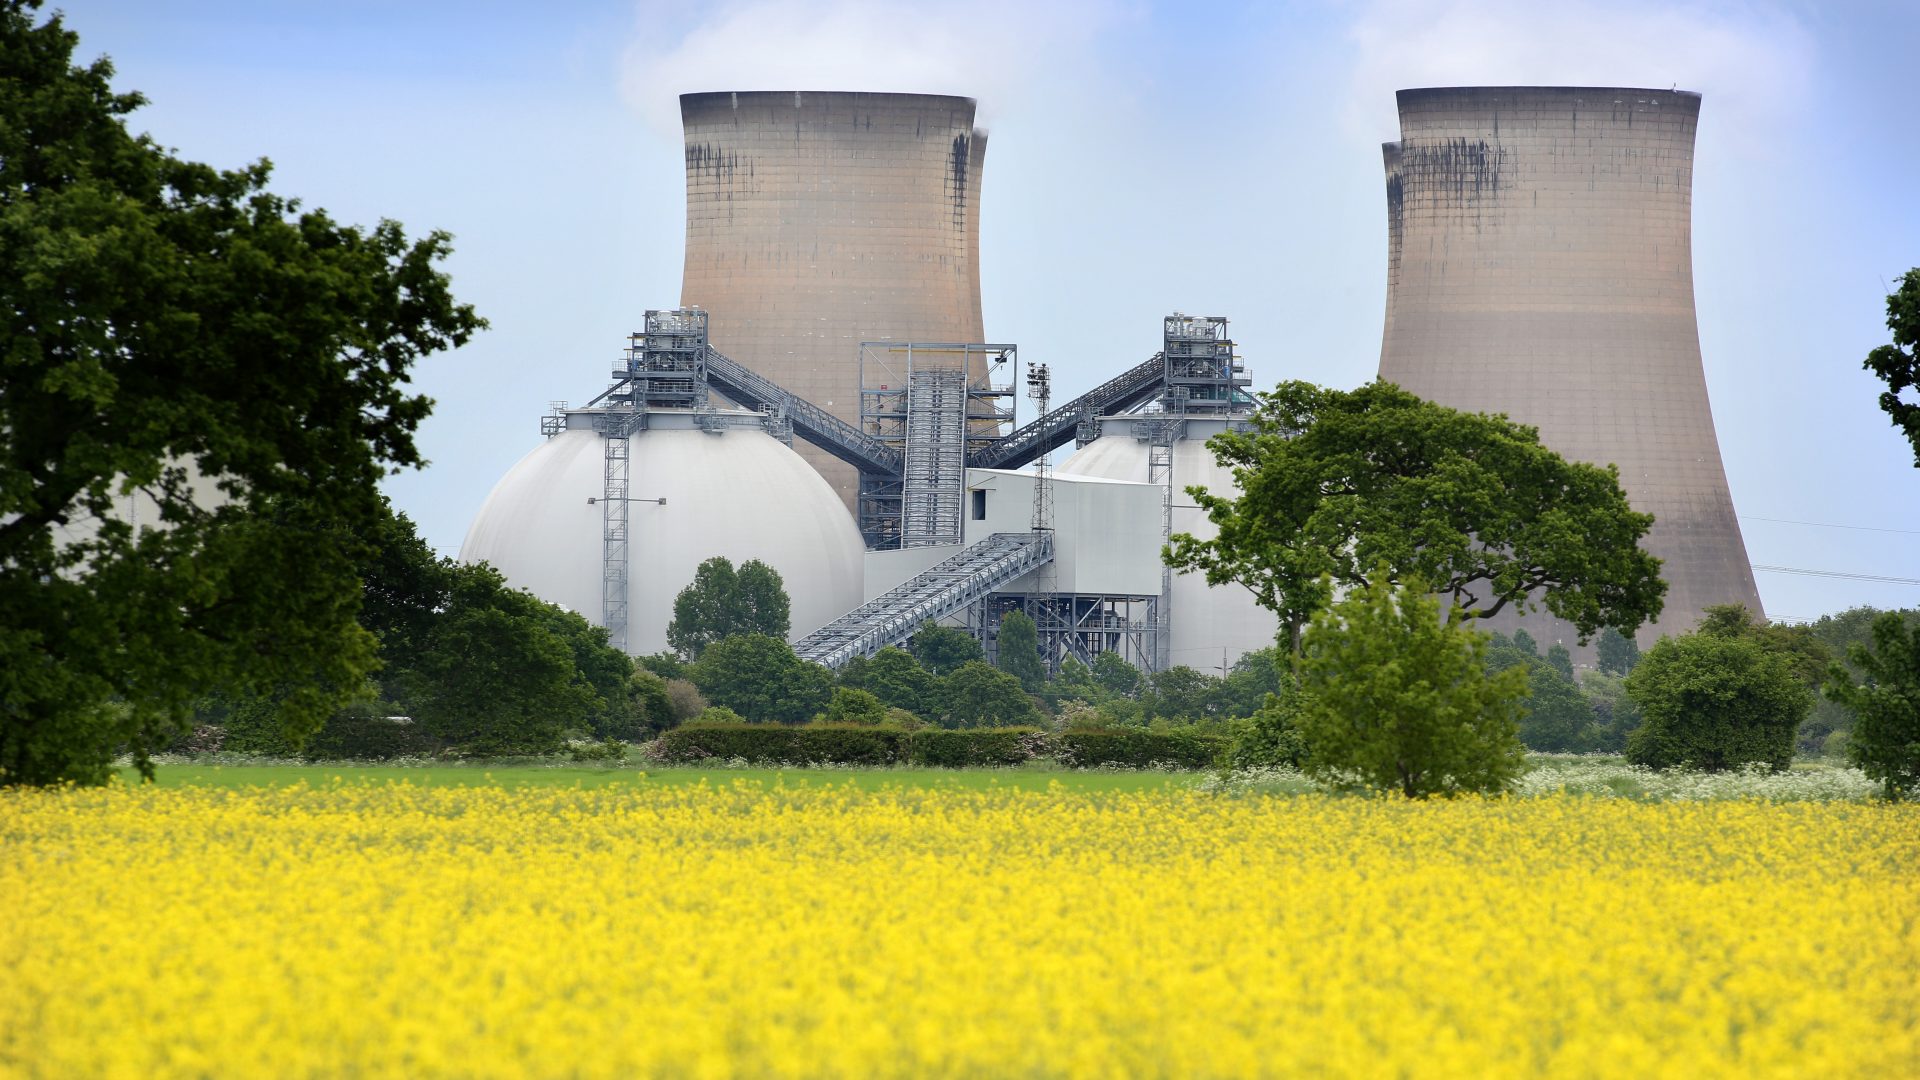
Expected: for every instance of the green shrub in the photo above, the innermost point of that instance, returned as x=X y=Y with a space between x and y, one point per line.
x=361 y=735
x=769 y=744
x=851 y=706
x=1715 y=702
x=1885 y=740
x=1399 y=699
x=1134 y=748
x=975 y=747
x=718 y=714
x=1271 y=736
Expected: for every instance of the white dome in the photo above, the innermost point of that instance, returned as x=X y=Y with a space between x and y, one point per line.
x=1207 y=620
x=739 y=493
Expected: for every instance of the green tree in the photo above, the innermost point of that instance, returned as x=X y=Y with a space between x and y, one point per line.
x=1617 y=652
x=1019 y=651
x=182 y=338
x=649 y=710
x=495 y=677
x=760 y=678
x=721 y=602
x=943 y=649
x=1335 y=483
x=1398 y=699
x=1840 y=632
x=1561 y=660
x=1713 y=702
x=1113 y=674
x=1615 y=717
x=1181 y=693
x=1254 y=676
x=1804 y=652
x=850 y=706
x=1524 y=642
x=977 y=695
x=1898 y=364
x=1885 y=741
x=1270 y=736
x=899 y=681
x=1558 y=718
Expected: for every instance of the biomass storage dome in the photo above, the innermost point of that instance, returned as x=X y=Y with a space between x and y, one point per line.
x=737 y=492
x=1210 y=622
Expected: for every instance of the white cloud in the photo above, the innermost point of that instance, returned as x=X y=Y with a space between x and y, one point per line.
x=1751 y=62
x=998 y=51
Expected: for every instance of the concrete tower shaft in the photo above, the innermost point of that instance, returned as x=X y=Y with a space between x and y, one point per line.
x=1539 y=264
x=816 y=221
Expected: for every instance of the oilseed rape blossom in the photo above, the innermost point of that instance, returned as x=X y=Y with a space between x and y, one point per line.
x=759 y=929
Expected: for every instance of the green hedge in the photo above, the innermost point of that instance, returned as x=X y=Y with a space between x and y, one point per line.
x=771 y=744
x=836 y=744
x=975 y=746
x=351 y=736
x=1139 y=749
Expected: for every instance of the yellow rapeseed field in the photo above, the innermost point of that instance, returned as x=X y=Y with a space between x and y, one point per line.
x=747 y=930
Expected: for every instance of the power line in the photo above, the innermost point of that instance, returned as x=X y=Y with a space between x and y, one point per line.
x=1836 y=574
x=1827 y=525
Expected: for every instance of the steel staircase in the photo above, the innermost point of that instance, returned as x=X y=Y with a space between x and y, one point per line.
x=935 y=593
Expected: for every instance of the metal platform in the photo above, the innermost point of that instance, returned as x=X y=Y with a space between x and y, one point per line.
x=1052 y=430
x=945 y=589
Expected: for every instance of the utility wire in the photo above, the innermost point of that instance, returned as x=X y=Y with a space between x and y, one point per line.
x=1826 y=525
x=1835 y=574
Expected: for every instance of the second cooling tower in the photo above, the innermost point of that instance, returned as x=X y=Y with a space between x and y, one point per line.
x=1540 y=265
x=816 y=221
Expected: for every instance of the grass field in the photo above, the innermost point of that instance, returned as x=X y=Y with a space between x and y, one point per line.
x=543 y=776
x=968 y=926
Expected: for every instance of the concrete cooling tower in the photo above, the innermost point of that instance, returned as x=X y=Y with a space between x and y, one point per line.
x=1540 y=265
x=738 y=493
x=816 y=221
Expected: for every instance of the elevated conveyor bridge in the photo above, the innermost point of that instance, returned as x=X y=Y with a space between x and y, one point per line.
x=944 y=589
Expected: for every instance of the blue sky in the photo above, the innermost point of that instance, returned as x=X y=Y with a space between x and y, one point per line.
x=1219 y=158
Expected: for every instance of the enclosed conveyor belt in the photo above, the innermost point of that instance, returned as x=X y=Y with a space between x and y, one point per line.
x=1051 y=431
x=810 y=421
x=935 y=593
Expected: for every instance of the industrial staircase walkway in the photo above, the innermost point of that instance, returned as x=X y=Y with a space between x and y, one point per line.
x=1051 y=431
x=810 y=421
x=935 y=593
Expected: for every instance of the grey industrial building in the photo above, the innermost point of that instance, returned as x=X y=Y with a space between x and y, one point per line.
x=1539 y=264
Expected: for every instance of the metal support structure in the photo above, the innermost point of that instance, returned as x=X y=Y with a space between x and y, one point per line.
x=936 y=403
x=1039 y=603
x=1079 y=625
x=1201 y=365
x=1161 y=433
x=555 y=421
x=616 y=432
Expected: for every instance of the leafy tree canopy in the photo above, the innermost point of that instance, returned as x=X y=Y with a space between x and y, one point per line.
x=1395 y=698
x=721 y=602
x=1113 y=674
x=943 y=649
x=1885 y=743
x=1334 y=483
x=1019 y=651
x=978 y=695
x=1799 y=645
x=898 y=680
x=204 y=383
x=1898 y=364
x=1714 y=701
x=1617 y=652
x=760 y=678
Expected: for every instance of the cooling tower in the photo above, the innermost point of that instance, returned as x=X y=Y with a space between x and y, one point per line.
x=1540 y=265
x=737 y=493
x=816 y=221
